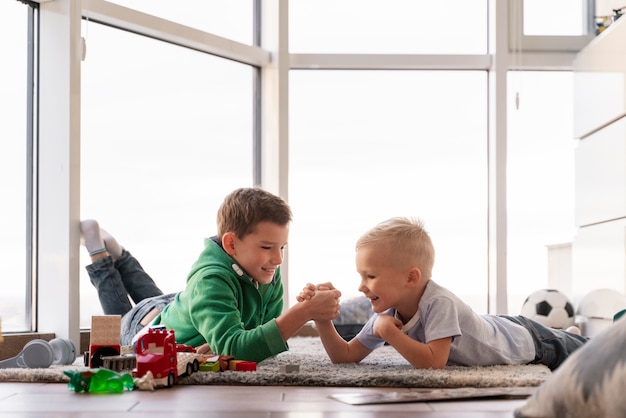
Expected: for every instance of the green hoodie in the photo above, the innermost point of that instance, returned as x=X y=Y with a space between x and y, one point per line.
x=223 y=307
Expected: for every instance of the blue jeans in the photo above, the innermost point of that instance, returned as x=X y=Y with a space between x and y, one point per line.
x=552 y=346
x=131 y=322
x=115 y=281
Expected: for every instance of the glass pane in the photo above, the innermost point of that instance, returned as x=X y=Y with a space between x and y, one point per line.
x=232 y=19
x=540 y=192
x=13 y=165
x=554 y=17
x=389 y=143
x=166 y=134
x=388 y=26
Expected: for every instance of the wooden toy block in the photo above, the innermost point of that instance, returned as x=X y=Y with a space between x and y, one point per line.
x=105 y=330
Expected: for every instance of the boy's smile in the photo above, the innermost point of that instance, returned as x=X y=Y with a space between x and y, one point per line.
x=384 y=284
x=261 y=252
x=378 y=281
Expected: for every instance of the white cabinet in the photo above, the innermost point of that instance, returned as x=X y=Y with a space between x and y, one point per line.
x=599 y=80
x=600 y=173
x=599 y=247
x=599 y=258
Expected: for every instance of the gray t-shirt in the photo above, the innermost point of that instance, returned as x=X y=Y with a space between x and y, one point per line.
x=477 y=340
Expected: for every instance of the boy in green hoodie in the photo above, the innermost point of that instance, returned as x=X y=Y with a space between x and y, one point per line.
x=233 y=299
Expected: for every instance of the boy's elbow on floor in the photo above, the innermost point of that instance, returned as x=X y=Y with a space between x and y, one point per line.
x=337 y=360
x=344 y=362
x=430 y=366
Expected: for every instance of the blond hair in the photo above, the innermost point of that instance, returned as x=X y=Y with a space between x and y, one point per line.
x=405 y=240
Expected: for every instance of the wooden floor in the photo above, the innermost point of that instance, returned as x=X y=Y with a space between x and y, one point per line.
x=22 y=400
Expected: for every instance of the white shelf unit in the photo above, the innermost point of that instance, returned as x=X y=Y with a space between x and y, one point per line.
x=599 y=247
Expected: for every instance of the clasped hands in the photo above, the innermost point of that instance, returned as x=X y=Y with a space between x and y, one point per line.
x=325 y=298
x=384 y=325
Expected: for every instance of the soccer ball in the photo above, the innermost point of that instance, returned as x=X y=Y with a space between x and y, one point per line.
x=549 y=307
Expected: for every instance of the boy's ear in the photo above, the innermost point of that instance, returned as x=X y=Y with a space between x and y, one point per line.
x=228 y=242
x=414 y=277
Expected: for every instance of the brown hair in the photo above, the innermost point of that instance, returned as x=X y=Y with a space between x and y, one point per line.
x=243 y=209
x=406 y=242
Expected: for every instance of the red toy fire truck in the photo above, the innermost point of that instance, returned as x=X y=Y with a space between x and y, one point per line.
x=157 y=352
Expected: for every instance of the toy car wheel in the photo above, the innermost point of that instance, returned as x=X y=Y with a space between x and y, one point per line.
x=196 y=366
x=171 y=379
x=189 y=369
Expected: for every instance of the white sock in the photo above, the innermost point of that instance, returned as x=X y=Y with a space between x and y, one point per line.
x=111 y=244
x=90 y=232
x=573 y=330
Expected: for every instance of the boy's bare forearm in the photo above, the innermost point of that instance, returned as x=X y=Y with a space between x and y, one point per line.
x=291 y=321
x=338 y=349
x=433 y=355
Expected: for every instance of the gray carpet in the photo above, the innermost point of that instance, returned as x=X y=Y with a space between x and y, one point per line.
x=383 y=368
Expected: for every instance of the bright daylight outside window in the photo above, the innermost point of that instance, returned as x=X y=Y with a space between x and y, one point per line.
x=388 y=149
x=388 y=27
x=366 y=146
x=14 y=302
x=554 y=17
x=159 y=130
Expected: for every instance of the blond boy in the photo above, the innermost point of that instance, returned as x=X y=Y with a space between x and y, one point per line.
x=426 y=323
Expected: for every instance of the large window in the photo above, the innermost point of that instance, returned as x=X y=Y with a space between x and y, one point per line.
x=166 y=134
x=15 y=301
x=366 y=146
